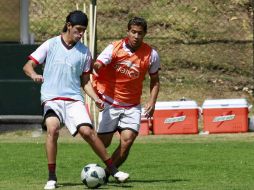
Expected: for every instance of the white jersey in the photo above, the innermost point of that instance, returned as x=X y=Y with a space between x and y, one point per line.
x=63 y=68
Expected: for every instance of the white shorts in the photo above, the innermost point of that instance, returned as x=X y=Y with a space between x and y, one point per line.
x=71 y=113
x=113 y=118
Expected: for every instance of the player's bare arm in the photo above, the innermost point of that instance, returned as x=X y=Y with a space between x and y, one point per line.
x=154 y=90
x=89 y=90
x=96 y=68
x=30 y=72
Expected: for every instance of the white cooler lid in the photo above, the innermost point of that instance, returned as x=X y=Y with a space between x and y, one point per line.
x=188 y=104
x=225 y=103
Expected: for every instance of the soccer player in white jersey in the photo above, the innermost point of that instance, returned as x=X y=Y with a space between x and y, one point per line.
x=67 y=66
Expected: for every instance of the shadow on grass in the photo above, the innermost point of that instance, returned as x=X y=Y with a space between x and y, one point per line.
x=157 y=181
x=66 y=185
x=69 y=184
x=128 y=184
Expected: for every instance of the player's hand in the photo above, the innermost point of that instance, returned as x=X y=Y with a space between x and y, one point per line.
x=37 y=78
x=99 y=103
x=149 y=109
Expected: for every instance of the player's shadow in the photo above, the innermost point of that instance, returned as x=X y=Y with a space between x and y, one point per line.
x=76 y=185
x=131 y=183
x=69 y=184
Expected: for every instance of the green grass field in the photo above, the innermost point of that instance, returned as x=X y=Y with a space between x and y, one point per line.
x=177 y=162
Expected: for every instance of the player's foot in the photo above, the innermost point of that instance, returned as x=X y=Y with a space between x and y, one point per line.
x=121 y=176
x=51 y=184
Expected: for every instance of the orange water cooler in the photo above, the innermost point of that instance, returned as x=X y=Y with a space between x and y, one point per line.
x=176 y=117
x=225 y=115
x=146 y=125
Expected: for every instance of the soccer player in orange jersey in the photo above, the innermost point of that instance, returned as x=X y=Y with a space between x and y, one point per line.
x=119 y=72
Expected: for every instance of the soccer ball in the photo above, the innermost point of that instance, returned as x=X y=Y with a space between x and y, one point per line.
x=93 y=176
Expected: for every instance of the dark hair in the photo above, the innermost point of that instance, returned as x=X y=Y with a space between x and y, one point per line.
x=76 y=18
x=139 y=22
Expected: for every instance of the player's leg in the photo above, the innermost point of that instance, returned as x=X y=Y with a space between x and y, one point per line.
x=127 y=138
x=93 y=140
x=108 y=122
x=128 y=125
x=77 y=120
x=106 y=140
x=53 y=127
x=51 y=123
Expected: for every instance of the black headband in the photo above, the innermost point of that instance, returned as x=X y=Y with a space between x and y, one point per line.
x=77 y=18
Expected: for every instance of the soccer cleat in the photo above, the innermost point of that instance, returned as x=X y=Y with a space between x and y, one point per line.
x=121 y=176
x=51 y=184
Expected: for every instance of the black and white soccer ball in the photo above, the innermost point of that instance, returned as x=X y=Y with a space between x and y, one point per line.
x=93 y=176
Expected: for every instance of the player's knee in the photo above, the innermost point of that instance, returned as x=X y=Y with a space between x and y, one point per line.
x=127 y=141
x=53 y=132
x=86 y=132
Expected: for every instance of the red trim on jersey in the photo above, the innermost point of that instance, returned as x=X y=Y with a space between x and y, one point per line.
x=60 y=98
x=126 y=40
x=100 y=62
x=87 y=72
x=33 y=59
x=63 y=98
x=116 y=105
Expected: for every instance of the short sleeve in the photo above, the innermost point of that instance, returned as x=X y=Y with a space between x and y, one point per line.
x=40 y=54
x=106 y=55
x=88 y=62
x=154 y=62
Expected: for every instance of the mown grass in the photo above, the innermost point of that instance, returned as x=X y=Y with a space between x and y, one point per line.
x=179 y=162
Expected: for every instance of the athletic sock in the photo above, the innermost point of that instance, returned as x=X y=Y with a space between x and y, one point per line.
x=52 y=172
x=111 y=167
x=107 y=175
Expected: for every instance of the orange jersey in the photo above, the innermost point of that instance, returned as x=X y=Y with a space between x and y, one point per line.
x=122 y=79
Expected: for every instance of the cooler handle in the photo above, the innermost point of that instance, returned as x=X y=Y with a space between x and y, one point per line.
x=200 y=112
x=249 y=107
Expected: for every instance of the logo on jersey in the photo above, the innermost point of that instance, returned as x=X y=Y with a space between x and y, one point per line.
x=127 y=68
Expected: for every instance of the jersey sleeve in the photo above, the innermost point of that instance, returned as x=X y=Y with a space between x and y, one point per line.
x=40 y=54
x=88 y=63
x=154 y=62
x=106 y=55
